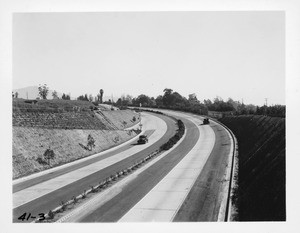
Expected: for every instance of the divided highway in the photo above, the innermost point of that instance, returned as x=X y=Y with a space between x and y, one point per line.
x=186 y=183
x=41 y=193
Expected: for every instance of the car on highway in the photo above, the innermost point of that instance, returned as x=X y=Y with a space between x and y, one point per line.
x=143 y=139
x=206 y=121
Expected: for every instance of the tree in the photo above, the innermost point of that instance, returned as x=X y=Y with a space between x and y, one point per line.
x=43 y=91
x=193 y=99
x=16 y=95
x=65 y=97
x=91 y=97
x=91 y=142
x=83 y=97
x=144 y=100
x=54 y=95
x=159 y=101
x=167 y=97
x=101 y=95
x=48 y=155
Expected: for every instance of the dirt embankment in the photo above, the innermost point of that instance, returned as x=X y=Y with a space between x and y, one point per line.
x=66 y=134
x=261 y=179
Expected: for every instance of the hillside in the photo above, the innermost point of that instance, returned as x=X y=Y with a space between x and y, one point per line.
x=261 y=179
x=58 y=126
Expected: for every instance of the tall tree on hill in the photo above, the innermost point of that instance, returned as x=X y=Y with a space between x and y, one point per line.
x=101 y=95
x=43 y=91
x=168 y=97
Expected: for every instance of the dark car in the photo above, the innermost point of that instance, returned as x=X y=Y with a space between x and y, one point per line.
x=206 y=121
x=142 y=139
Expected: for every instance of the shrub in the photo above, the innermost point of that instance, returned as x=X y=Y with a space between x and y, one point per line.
x=173 y=140
x=50 y=214
x=41 y=161
x=91 y=142
x=48 y=155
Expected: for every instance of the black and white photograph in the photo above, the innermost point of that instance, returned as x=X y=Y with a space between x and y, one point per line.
x=127 y=116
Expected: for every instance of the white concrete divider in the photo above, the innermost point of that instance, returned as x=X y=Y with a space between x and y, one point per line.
x=41 y=189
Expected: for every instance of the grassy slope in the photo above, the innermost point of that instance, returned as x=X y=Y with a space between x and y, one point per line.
x=30 y=142
x=261 y=191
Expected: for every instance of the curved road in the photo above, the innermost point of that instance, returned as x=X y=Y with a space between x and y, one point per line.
x=52 y=199
x=186 y=183
x=153 y=196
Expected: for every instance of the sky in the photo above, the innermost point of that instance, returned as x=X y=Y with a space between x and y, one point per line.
x=227 y=54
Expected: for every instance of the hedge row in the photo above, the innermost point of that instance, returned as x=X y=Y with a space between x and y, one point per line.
x=173 y=140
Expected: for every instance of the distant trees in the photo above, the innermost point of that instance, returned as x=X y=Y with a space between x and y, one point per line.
x=65 y=97
x=276 y=110
x=144 y=100
x=159 y=101
x=43 y=91
x=83 y=97
x=173 y=100
x=168 y=99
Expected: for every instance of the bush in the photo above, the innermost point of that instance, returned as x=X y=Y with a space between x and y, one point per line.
x=91 y=142
x=173 y=140
x=48 y=155
x=50 y=214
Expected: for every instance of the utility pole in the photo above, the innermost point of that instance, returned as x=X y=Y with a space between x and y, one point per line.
x=266 y=99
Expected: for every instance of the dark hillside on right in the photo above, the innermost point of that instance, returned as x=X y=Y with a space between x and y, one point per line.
x=262 y=167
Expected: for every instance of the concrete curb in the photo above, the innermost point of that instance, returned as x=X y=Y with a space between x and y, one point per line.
x=226 y=205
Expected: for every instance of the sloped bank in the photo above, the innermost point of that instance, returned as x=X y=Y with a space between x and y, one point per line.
x=66 y=134
x=261 y=179
x=29 y=144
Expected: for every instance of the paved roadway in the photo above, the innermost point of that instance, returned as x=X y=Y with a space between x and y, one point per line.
x=31 y=195
x=187 y=184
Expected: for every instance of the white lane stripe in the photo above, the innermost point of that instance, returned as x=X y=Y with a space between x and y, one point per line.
x=165 y=199
x=41 y=189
